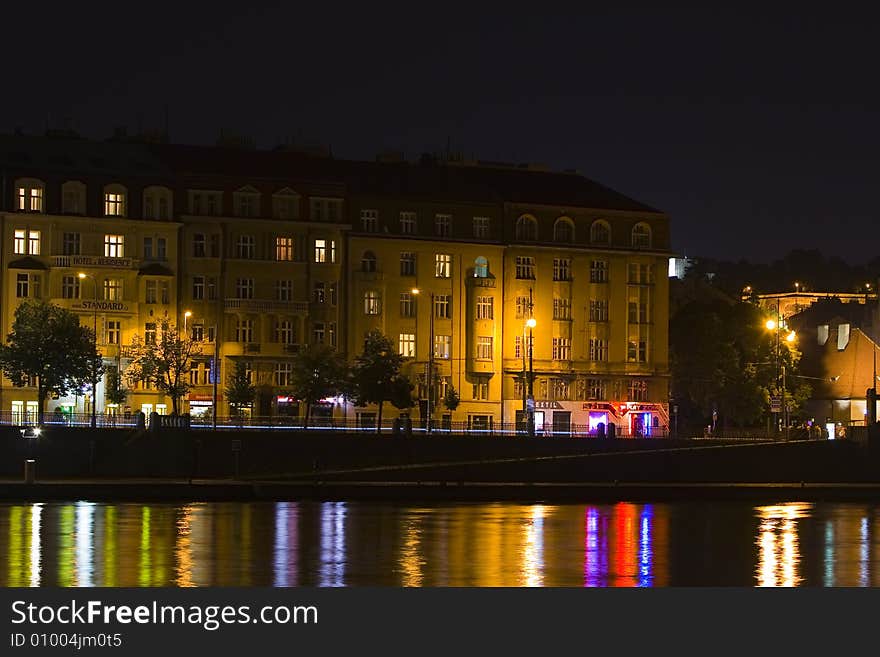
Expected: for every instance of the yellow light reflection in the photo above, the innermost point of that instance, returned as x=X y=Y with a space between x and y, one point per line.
x=779 y=548
x=183 y=549
x=144 y=568
x=411 y=561
x=35 y=565
x=533 y=551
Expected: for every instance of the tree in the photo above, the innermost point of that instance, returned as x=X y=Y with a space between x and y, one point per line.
x=240 y=392
x=451 y=400
x=48 y=344
x=165 y=361
x=115 y=391
x=318 y=372
x=376 y=376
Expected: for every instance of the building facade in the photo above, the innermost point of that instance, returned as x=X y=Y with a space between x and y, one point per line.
x=260 y=253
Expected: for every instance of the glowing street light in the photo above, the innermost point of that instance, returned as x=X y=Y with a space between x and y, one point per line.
x=82 y=276
x=416 y=291
x=770 y=324
x=186 y=316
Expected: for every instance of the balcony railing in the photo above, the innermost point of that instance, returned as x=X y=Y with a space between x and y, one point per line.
x=266 y=306
x=92 y=261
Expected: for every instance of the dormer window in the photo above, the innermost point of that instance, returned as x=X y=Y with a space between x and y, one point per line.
x=73 y=197
x=115 y=201
x=563 y=230
x=527 y=228
x=641 y=236
x=600 y=232
x=30 y=195
x=157 y=203
x=247 y=202
x=285 y=204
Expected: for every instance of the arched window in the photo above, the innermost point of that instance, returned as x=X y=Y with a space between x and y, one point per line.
x=481 y=267
x=641 y=236
x=563 y=230
x=368 y=261
x=157 y=203
x=115 y=201
x=526 y=228
x=29 y=195
x=73 y=197
x=600 y=232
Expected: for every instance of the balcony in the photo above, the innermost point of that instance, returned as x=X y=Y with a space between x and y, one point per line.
x=266 y=306
x=80 y=261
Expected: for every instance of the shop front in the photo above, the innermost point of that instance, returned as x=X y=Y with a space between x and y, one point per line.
x=201 y=405
x=577 y=418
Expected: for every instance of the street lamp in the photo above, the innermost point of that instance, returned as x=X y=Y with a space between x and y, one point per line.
x=82 y=276
x=416 y=291
x=186 y=316
x=531 y=323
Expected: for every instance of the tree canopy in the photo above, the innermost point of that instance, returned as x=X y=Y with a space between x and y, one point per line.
x=318 y=372
x=240 y=392
x=47 y=344
x=376 y=375
x=165 y=362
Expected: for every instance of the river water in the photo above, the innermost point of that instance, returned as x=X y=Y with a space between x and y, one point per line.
x=461 y=544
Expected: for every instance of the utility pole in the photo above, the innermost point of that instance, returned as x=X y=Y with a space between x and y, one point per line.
x=430 y=359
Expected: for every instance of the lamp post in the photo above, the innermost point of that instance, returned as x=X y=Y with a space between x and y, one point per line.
x=531 y=324
x=430 y=374
x=82 y=276
x=186 y=316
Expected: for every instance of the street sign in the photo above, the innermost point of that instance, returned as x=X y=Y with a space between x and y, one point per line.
x=776 y=404
x=530 y=404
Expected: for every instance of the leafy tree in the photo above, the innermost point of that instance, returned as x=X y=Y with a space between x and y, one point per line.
x=376 y=376
x=115 y=391
x=318 y=372
x=451 y=400
x=723 y=358
x=48 y=344
x=240 y=392
x=165 y=363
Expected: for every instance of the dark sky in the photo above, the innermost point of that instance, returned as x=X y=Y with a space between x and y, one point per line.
x=755 y=129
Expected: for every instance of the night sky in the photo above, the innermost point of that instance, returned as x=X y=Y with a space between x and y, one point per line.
x=755 y=130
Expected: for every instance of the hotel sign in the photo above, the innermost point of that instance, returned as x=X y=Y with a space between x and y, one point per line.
x=104 y=306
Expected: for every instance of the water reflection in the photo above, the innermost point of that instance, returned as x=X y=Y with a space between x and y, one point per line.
x=360 y=544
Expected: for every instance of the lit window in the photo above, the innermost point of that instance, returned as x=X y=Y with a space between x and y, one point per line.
x=442 y=265
x=284 y=248
x=481 y=267
x=19 y=244
x=30 y=195
x=484 y=347
x=442 y=346
x=114 y=246
x=113 y=289
x=406 y=345
x=325 y=250
x=372 y=303
x=114 y=204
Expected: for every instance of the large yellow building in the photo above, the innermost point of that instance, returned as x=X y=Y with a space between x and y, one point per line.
x=259 y=253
